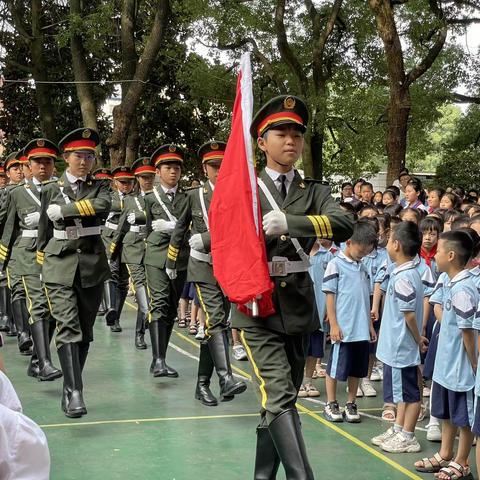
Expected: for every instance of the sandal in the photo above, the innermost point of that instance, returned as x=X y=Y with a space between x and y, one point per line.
x=429 y=466
x=389 y=414
x=451 y=472
x=192 y=329
x=182 y=323
x=311 y=390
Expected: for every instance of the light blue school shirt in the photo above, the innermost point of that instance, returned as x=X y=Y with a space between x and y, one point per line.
x=319 y=262
x=396 y=345
x=453 y=369
x=437 y=296
x=373 y=263
x=349 y=281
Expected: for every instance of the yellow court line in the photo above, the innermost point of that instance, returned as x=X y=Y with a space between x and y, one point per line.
x=152 y=420
x=358 y=442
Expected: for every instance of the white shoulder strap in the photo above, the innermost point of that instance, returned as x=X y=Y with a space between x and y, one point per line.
x=138 y=204
x=301 y=253
x=34 y=198
x=204 y=209
x=162 y=204
x=65 y=196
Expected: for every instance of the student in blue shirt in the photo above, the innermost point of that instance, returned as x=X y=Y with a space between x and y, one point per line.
x=456 y=360
x=347 y=289
x=400 y=341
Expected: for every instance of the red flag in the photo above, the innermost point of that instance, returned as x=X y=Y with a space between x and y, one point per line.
x=238 y=246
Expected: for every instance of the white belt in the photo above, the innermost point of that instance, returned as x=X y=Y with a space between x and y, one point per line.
x=281 y=266
x=73 y=233
x=203 y=257
x=139 y=229
x=30 y=233
x=111 y=226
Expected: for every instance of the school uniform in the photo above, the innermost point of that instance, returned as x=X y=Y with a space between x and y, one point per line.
x=397 y=348
x=453 y=375
x=349 y=281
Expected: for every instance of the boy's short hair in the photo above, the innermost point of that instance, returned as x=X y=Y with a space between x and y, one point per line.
x=459 y=242
x=367 y=206
x=475 y=239
x=393 y=210
x=364 y=233
x=408 y=235
x=374 y=222
x=384 y=220
x=346 y=184
x=429 y=224
x=461 y=221
x=416 y=211
x=366 y=184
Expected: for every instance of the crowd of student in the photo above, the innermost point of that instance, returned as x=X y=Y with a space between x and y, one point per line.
x=399 y=302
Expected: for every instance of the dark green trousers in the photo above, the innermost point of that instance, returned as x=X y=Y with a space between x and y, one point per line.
x=215 y=306
x=37 y=303
x=278 y=361
x=137 y=274
x=15 y=283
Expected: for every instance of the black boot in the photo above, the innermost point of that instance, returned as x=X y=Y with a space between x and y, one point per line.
x=142 y=312
x=109 y=302
x=266 y=457
x=218 y=344
x=120 y=296
x=41 y=341
x=286 y=433
x=4 y=309
x=205 y=370
x=33 y=368
x=21 y=316
x=159 y=337
x=72 y=400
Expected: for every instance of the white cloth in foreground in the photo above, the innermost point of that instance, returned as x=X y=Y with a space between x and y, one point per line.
x=24 y=453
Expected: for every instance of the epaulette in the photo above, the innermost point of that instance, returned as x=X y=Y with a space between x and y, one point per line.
x=188 y=189
x=314 y=180
x=48 y=182
x=10 y=187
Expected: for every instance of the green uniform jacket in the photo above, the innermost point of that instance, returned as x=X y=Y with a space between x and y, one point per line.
x=116 y=208
x=192 y=213
x=131 y=244
x=311 y=213
x=62 y=258
x=157 y=242
x=4 y=200
x=13 y=245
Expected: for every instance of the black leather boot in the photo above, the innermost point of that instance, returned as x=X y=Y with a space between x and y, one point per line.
x=159 y=337
x=4 y=309
x=266 y=457
x=218 y=344
x=286 y=433
x=41 y=341
x=21 y=316
x=205 y=370
x=120 y=296
x=72 y=399
x=33 y=368
x=109 y=302
x=142 y=312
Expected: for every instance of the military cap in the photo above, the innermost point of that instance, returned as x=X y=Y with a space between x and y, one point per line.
x=80 y=139
x=102 y=174
x=22 y=156
x=143 y=166
x=11 y=160
x=39 y=147
x=122 y=173
x=212 y=152
x=2 y=169
x=167 y=154
x=282 y=110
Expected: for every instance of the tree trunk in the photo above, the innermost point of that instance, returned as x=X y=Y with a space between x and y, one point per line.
x=133 y=141
x=39 y=72
x=80 y=71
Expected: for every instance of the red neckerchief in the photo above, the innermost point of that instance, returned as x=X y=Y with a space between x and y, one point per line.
x=427 y=256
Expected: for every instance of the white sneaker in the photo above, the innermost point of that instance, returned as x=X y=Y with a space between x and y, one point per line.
x=377 y=374
x=367 y=388
x=399 y=444
x=434 y=433
x=379 y=439
x=201 y=333
x=239 y=352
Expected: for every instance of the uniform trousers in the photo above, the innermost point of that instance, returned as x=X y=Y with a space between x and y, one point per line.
x=37 y=303
x=214 y=304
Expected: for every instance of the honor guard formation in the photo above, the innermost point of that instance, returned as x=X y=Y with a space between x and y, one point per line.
x=383 y=286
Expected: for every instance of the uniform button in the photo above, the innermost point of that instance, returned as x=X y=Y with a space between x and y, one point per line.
x=283 y=238
x=79 y=250
x=283 y=284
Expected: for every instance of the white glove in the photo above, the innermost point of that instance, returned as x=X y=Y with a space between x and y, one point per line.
x=54 y=212
x=171 y=273
x=32 y=219
x=131 y=218
x=163 y=226
x=196 y=242
x=275 y=223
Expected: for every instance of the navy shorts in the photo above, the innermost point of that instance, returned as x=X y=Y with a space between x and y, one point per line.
x=476 y=420
x=348 y=359
x=400 y=385
x=317 y=344
x=188 y=291
x=454 y=406
x=431 y=352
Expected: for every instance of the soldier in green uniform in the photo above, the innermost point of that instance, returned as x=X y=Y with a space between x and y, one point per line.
x=163 y=207
x=296 y=212
x=5 y=310
x=20 y=315
x=102 y=174
x=214 y=350
x=73 y=258
x=130 y=240
x=116 y=288
x=19 y=244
